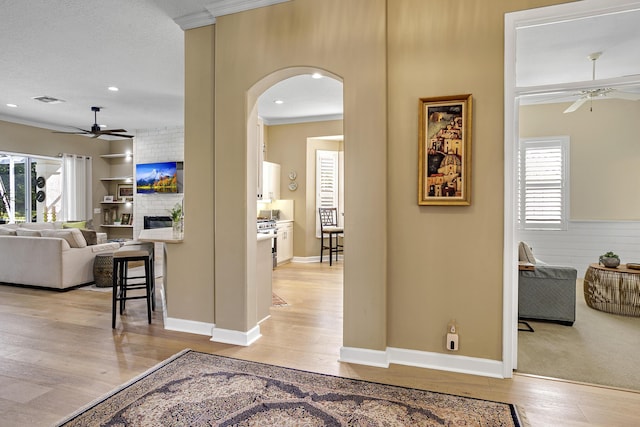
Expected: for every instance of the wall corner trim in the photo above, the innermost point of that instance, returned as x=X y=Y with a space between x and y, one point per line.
x=228 y=336
x=423 y=359
x=190 y=326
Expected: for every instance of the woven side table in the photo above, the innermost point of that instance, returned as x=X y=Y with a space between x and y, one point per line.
x=614 y=290
x=103 y=270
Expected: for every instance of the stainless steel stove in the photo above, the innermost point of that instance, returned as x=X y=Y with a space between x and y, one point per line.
x=268 y=226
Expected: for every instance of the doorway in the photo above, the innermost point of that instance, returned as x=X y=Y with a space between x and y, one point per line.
x=295 y=107
x=532 y=80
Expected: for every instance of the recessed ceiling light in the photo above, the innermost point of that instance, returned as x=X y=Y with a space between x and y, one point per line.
x=316 y=75
x=113 y=88
x=278 y=101
x=12 y=105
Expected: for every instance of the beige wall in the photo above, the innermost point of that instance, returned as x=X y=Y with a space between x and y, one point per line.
x=423 y=266
x=18 y=138
x=446 y=262
x=604 y=154
x=288 y=146
x=190 y=288
x=343 y=38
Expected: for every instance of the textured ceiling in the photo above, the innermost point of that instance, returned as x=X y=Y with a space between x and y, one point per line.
x=73 y=50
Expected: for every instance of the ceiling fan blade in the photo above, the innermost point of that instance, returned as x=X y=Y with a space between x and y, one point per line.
x=112 y=130
x=573 y=107
x=72 y=133
x=120 y=135
x=625 y=95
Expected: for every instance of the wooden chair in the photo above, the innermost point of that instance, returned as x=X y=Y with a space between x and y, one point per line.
x=329 y=227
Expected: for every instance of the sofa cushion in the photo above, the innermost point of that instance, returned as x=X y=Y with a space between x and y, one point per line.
x=90 y=236
x=29 y=233
x=5 y=231
x=73 y=236
x=37 y=226
x=525 y=253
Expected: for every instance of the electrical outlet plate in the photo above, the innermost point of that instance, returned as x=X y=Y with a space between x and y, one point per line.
x=452 y=342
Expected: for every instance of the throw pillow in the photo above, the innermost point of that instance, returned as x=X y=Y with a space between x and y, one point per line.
x=29 y=233
x=73 y=236
x=90 y=236
x=525 y=254
x=76 y=224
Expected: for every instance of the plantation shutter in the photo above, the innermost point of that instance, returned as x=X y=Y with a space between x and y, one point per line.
x=543 y=186
x=326 y=182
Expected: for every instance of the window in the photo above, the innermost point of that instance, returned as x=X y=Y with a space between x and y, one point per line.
x=328 y=183
x=19 y=192
x=543 y=186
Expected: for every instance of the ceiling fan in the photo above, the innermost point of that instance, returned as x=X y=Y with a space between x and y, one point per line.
x=591 y=94
x=96 y=131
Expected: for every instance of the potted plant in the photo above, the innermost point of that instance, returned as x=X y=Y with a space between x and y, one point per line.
x=610 y=260
x=176 y=218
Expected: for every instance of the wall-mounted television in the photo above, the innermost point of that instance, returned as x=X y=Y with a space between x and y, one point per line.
x=160 y=177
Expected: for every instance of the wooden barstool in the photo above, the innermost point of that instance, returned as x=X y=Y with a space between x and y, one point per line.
x=123 y=283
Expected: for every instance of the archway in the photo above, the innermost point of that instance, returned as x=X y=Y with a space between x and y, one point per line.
x=307 y=122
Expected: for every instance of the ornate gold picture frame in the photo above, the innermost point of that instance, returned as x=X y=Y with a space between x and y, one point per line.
x=444 y=164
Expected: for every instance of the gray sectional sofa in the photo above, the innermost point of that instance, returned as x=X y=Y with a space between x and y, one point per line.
x=546 y=292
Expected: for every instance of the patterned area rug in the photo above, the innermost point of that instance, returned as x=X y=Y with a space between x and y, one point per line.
x=198 y=389
x=276 y=301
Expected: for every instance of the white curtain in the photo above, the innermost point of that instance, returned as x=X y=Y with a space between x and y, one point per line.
x=77 y=195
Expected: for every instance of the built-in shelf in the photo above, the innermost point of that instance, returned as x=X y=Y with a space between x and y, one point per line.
x=117 y=202
x=118 y=178
x=116 y=226
x=116 y=155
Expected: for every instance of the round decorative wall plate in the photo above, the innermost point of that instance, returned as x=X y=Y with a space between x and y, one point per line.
x=40 y=181
x=293 y=186
x=40 y=196
x=293 y=175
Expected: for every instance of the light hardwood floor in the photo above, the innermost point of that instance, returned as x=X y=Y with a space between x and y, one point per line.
x=58 y=352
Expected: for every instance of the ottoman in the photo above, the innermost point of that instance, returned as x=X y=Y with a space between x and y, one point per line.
x=103 y=270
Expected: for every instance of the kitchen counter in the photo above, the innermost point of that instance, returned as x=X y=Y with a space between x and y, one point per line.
x=160 y=235
x=263 y=236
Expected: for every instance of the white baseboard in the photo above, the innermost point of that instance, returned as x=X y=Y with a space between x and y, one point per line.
x=364 y=356
x=311 y=259
x=228 y=336
x=190 y=326
x=305 y=260
x=423 y=359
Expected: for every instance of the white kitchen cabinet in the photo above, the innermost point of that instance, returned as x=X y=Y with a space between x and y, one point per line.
x=270 y=181
x=260 y=156
x=285 y=242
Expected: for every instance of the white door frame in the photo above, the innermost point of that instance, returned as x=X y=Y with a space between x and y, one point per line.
x=512 y=93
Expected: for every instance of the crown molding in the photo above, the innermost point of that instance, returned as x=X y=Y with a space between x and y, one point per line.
x=195 y=20
x=220 y=8
x=227 y=7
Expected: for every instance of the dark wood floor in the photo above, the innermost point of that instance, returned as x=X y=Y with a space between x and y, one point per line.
x=58 y=353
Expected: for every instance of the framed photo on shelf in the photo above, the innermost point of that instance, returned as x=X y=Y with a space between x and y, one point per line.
x=125 y=219
x=444 y=151
x=125 y=192
x=108 y=198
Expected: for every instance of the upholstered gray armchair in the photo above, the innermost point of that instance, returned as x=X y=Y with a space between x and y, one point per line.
x=546 y=292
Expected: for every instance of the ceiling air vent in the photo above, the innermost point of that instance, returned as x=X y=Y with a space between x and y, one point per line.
x=48 y=99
